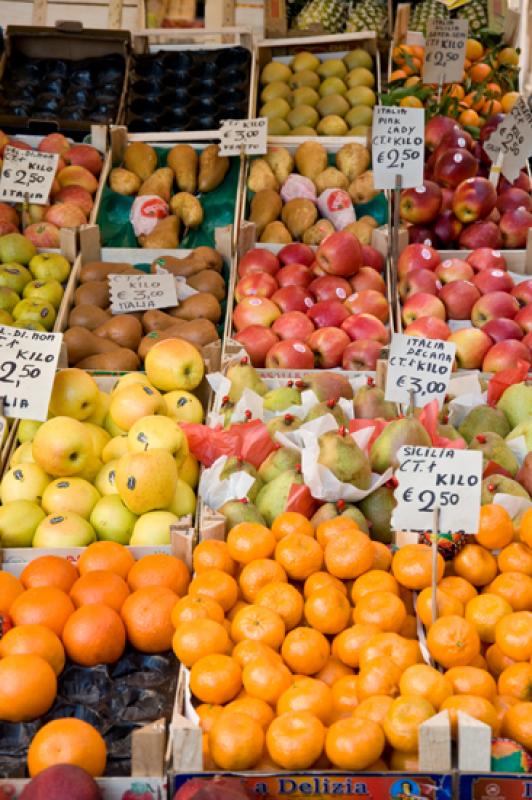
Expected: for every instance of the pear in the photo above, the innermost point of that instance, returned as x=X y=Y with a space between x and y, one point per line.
x=345 y=459
x=141 y=159
x=494 y=448
x=523 y=429
x=369 y=403
x=236 y=511
x=244 y=376
x=500 y=484
x=328 y=386
x=449 y=431
x=524 y=476
x=484 y=418
x=165 y=235
x=227 y=411
x=396 y=434
x=281 y=398
x=377 y=507
x=304 y=60
x=332 y=510
x=283 y=424
x=159 y=183
x=235 y=464
x=330 y=407
x=516 y=402
x=278 y=461
x=273 y=497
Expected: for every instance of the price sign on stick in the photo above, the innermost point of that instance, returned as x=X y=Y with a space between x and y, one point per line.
x=513 y=139
x=445 y=50
x=243 y=135
x=418 y=368
x=431 y=478
x=141 y=292
x=27 y=175
x=398 y=141
x=28 y=361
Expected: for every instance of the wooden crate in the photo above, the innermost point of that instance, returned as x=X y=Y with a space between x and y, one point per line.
x=90 y=13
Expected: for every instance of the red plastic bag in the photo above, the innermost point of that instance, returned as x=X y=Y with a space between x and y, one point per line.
x=248 y=440
x=429 y=420
x=359 y=425
x=502 y=380
x=301 y=500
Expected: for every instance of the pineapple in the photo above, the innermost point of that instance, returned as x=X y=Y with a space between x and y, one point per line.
x=330 y=14
x=428 y=9
x=368 y=15
x=476 y=13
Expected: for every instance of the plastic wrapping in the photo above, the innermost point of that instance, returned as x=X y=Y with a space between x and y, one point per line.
x=248 y=440
x=502 y=380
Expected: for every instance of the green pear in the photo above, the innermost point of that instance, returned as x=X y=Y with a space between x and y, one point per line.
x=234 y=464
x=111 y=520
x=281 y=398
x=278 y=461
x=494 y=448
x=407 y=431
x=355 y=514
x=522 y=429
x=516 y=402
x=328 y=385
x=244 y=376
x=283 y=424
x=524 y=476
x=304 y=60
x=273 y=497
x=484 y=418
x=369 y=403
x=18 y=523
x=449 y=431
x=333 y=67
x=331 y=407
x=377 y=507
x=236 y=511
x=340 y=453
x=500 y=484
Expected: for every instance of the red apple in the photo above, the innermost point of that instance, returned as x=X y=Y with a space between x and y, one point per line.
x=421 y=204
x=9 y=214
x=474 y=199
x=429 y=328
x=258 y=260
x=328 y=314
x=368 y=302
x=493 y=305
x=456 y=138
x=294 y=275
x=256 y=341
x=19 y=144
x=419 y=280
x=372 y=258
x=293 y=325
x=523 y=292
x=255 y=311
x=317 y=271
x=417 y=256
x=435 y=130
x=447 y=228
x=491 y=125
x=454 y=269
x=84 y=155
x=422 y=304
x=478 y=234
x=293 y=298
x=459 y=297
x=472 y=344
x=446 y=199
x=290 y=354
x=524 y=318
x=78 y=196
x=7 y=227
x=65 y=215
x=368 y=278
x=362 y=355
x=366 y=326
x=43 y=235
x=523 y=181
x=514 y=226
x=340 y=253
x=331 y=287
x=454 y=166
x=54 y=143
x=527 y=339
x=296 y=253
x=328 y=345
x=486 y=257
x=505 y=355
x=501 y=329
x=514 y=198
x=493 y=279
x=421 y=234
x=255 y=284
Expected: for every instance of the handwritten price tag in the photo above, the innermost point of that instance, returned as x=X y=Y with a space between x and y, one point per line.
x=141 y=292
x=398 y=142
x=513 y=139
x=244 y=135
x=433 y=477
x=445 y=50
x=419 y=366
x=28 y=361
x=27 y=175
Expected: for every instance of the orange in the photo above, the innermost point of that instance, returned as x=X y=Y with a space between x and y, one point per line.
x=100 y=587
x=403 y=652
x=354 y=744
x=411 y=101
x=49 y=571
x=147 y=615
x=457 y=91
x=266 y=679
x=496 y=660
x=477 y=707
x=479 y=72
x=509 y=100
x=515 y=587
x=397 y=75
x=305 y=651
x=349 y=554
x=94 y=634
x=509 y=56
x=513 y=635
x=383 y=609
x=299 y=555
x=212 y=554
x=28 y=687
x=345 y=698
x=257 y=574
x=484 y=611
x=248 y=651
x=409 y=627
x=525 y=528
x=248 y=541
x=453 y=641
x=231 y=614
x=421 y=680
x=376 y=580
x=446 y=604
x=374 y=708
x=34 y=640
x=260 y=624
x=208 y=714
x=159 y=569
x=332 y=671
x=495 y=527
x=291 y=522
x=516 y=557
x=67 y=741
x=476 y=564
x=208 y=762
x=217 y=585
x=236 y=741
x=402 y=721
x=458 y=587
x=197 y=638
x=252 y=707
x=346 y=646
x=401 y=53
x=382 y=556
x=378 y=676
x=327 y=610
x=516 y=681
x=10 y=589
x=295 y=740
x=478 y=661
x=404 y=762
x=109 y=556
x=215 y=679
x=322 y=580
x=307 y=694
x=472 y=680
x=501 y=704
x=412 y=566
x=196 y=607
x=45 y=605
x=284 y=599
x=474 y=50
x=468 y=117
x=494 y=90
x=517 y=724
x=329 y=529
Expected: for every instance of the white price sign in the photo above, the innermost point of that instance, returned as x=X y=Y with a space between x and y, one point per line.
x=28 y=361
x=513 y=139
x=445 y=50
x=248 y=136
x=420 y=368
x=27 y=175
x=431 y=478
x=398 y=145
x=141 y=292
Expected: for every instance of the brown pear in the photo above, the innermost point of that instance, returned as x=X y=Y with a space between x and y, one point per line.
x=159 y=183
x=123 y=181
x=122 y=329
x=183 y=159
x=265 y=207
x=141 y=159
x=212 y=168
x=165 y=235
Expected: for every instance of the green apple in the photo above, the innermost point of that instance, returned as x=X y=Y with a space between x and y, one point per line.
x=105 y=480
x=153 y=528
x=27 y=428
x=51 y=291
x=70 y=494
x=18 y=522
x=183 y=406
x=63 y=447
x=22 y=455
x=64 y=530
x=74 y=394
x=33 y=310
x=24 y=482
x=111 y=520
x=15 y=247
x=100 y=437
x=158 y=433
x=50 y=266
x=15 y=277
x=184 y=500
x=5 y=318
x=8 y=299
x=115 y=448
x=101 y=407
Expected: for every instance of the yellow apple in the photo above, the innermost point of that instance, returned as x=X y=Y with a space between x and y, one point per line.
x=153 y=529
x=22 y=455
x=146 y=481
x=91 y=469
x=174 y=364
x=133 y=403
x=112 y=428
x=27 y=428
x=101 y=407
x=24 y=482
x=189 y=471
x=115 y=447
x=112 y=521
x=105 y=480
x=63 y=446
x=100 y=437
x=158 y=433
x=183 y=501
x=130 y=379
x=183 y=406
x=64 y=530
x=74 y=394
x=18 y=522
x=70 y=494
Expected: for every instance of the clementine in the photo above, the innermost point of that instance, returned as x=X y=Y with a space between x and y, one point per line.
x=44 y=605
x=159 y=569
x=28 y=687
x=67 y=741
x=354 y=744
x=295 y=740
x=49 y=571
x=100 y=587
x=94 y=634
x=147 y=615
x=109 y=556
x=236 y=741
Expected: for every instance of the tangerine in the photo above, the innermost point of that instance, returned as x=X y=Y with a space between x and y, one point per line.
x=216 y=679
x=94 y=634
x=197 y=638
x=159 y=569
x=515 y=587
x=217 y=585
x=345 y=697
x=266 y=679
x=252 y=707
x=147 y=615
x=327 y=610
x=516 y=681
x=100 y=587
x=307 y=694
x=329 y=529
x=259 y=624
x=322 y=580
x=196 y=607
x=44 y=605
x=376 y=580
x=10 y=589
x=299 y=555
x=495 y=527
x=517 y=724
x=346 y=646
x=257 y=574
x=402 y=721
x=421 y=680
x=305 y=651
x=453 y=641
x=332 y=671
x=476 y=564
x=477 y=707
x=28 y=687
x=284 y=599
x=513 y=635
x=67 y=741
x=458 y=587
x=349 y=554
x=378 y=676
x=516 y=557
x=403 y=652
x=354 y=744
x=236 y=741
x=295 y=740
x=213 y=554
x=446 y=604
x=374 y=708
x=248 y=541
x=472 y=680
x=412 y=566
x=109 y=556
x=291 y=522
x=484 y=611
x=49 y=571
x=383 y=609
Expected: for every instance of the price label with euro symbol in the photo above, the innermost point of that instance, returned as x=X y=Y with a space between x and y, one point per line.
x=418 y=369
x=445 y=50
x=398 y=143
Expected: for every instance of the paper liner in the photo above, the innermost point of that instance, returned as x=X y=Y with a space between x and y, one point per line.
x=215 y=492
x=519 y=448
x=513 y=505
x=146 y=212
